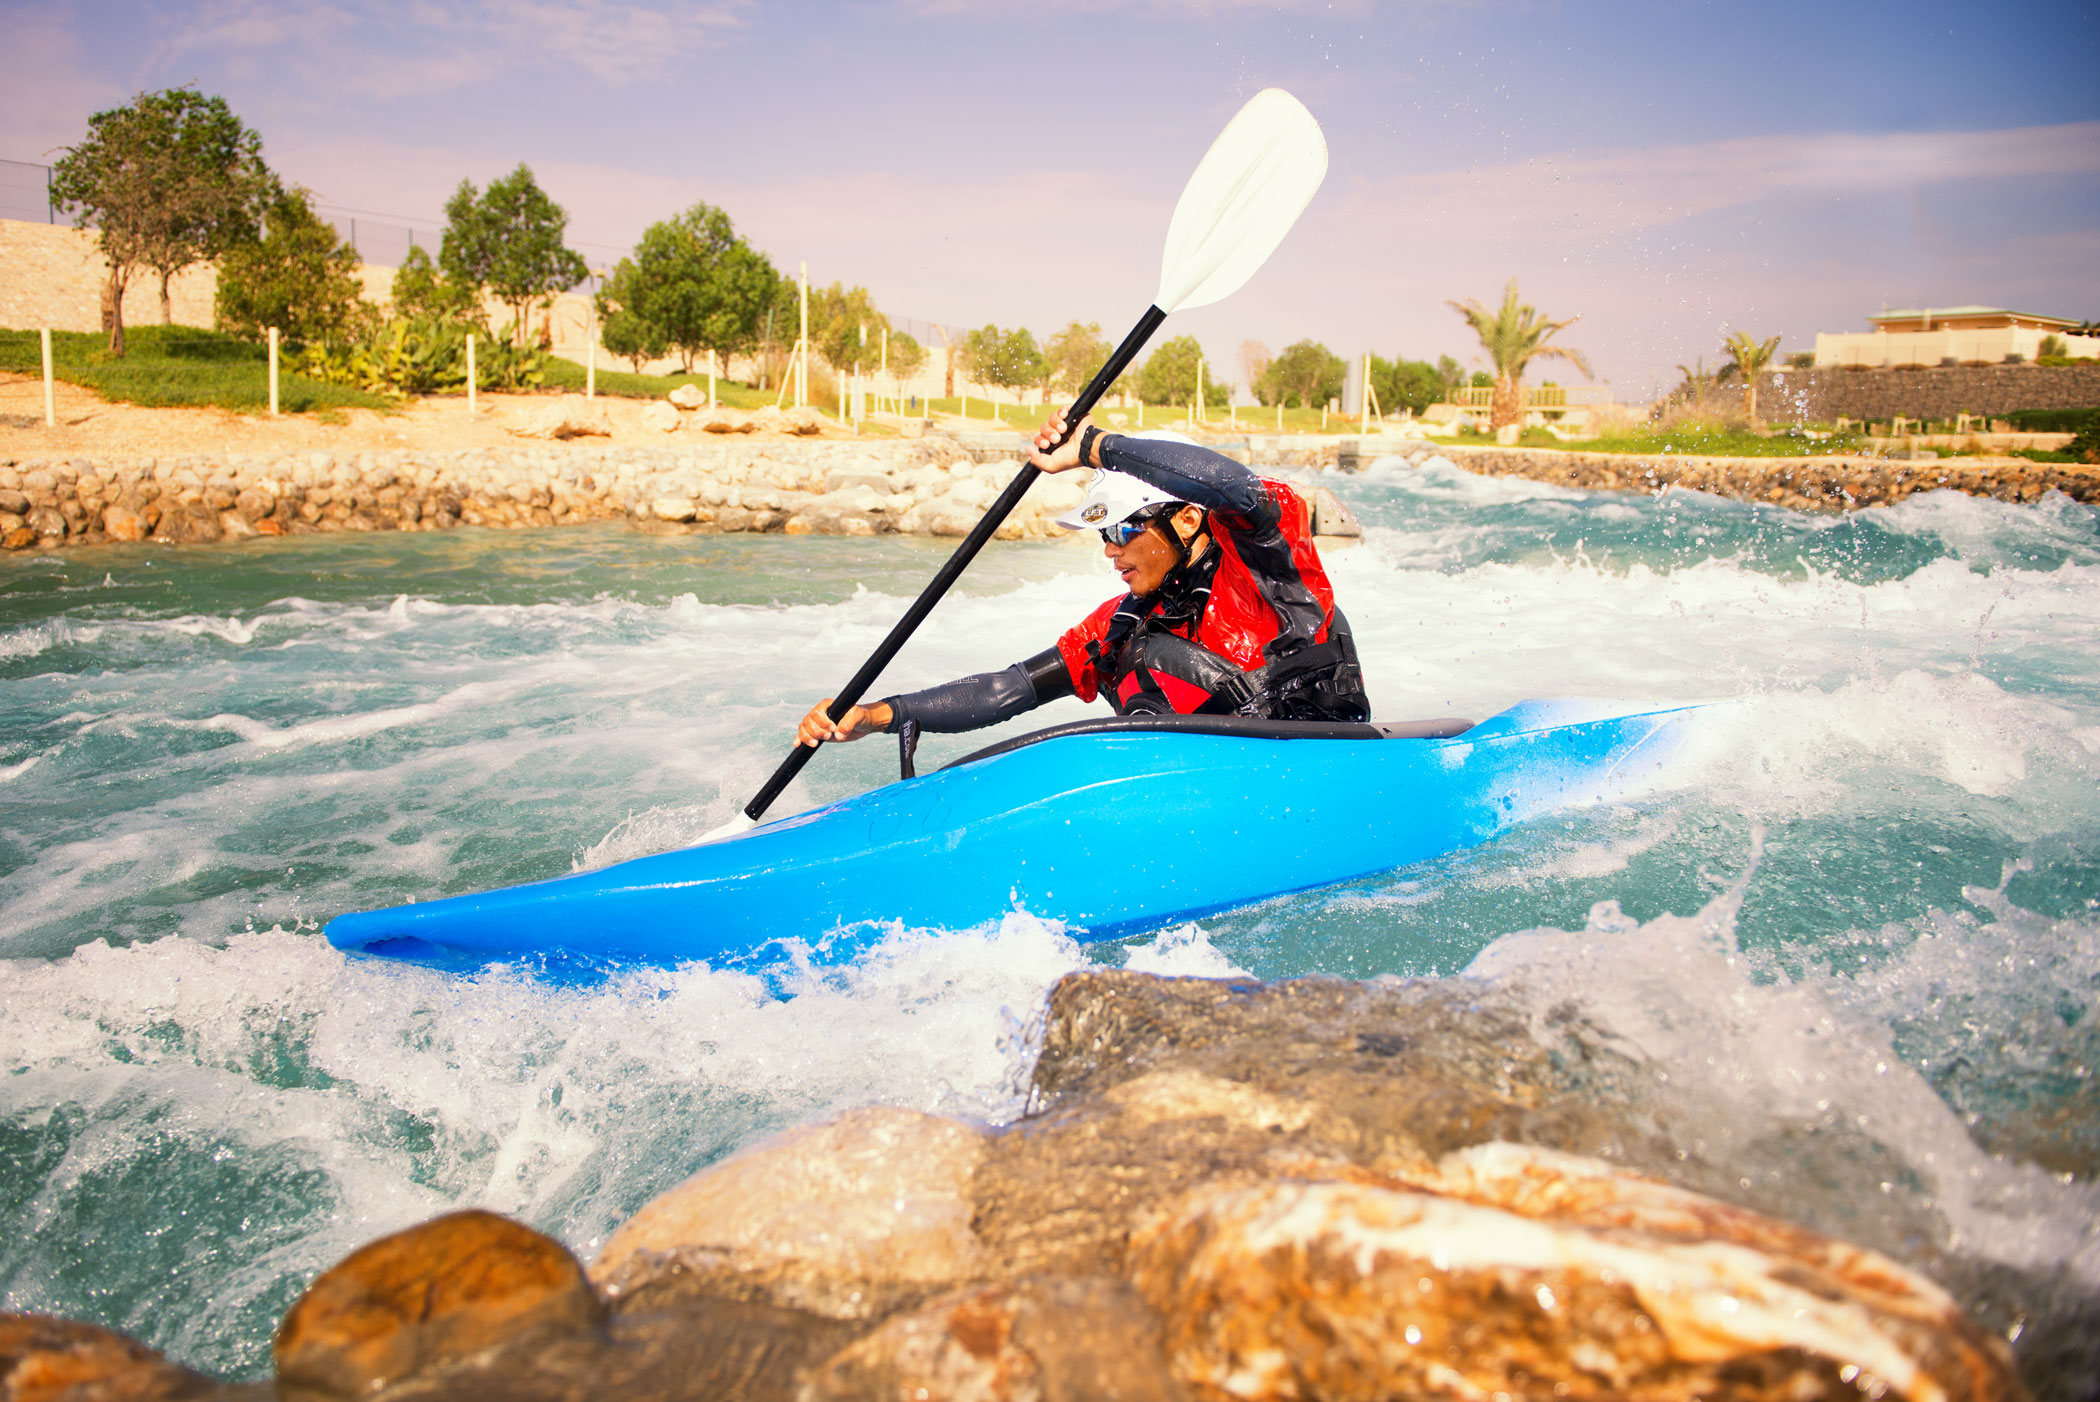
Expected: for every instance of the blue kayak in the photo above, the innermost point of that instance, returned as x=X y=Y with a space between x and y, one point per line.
x=1111 y=826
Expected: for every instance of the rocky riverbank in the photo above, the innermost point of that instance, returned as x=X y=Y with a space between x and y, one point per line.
x=934 y=485
x=1801 y=484
x=840 y=487
x=1311 y=1189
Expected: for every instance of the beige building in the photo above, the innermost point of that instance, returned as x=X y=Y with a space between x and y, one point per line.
x=1951 y=336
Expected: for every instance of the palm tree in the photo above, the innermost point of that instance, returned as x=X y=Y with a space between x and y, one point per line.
x=1513 y=336
x=1749 y=359
x=1698 y=382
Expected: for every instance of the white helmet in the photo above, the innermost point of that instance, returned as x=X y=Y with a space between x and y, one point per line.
x=1117 y=496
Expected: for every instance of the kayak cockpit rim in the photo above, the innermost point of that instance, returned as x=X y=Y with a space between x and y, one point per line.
x=1241 y=727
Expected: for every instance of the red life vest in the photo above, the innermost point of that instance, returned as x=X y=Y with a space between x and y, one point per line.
x=1263 y=632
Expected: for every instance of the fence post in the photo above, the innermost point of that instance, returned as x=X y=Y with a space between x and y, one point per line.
x=273 y=372
x=470 y=373
x=710 y=377
x=50 y=405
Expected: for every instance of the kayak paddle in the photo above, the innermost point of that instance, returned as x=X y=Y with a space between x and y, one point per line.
x=1247 y=192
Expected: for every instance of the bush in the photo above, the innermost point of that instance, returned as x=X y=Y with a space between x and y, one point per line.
x=425 y=355
x=298 y=277
x=2053 y=420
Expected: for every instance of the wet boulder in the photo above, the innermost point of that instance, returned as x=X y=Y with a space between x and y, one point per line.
x=58 y=1360
x=436 y=1294
x=840 y=1219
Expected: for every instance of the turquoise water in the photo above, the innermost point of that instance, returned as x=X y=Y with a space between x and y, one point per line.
x=1855 y=949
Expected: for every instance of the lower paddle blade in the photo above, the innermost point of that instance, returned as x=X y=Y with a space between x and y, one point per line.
x=1252 y=185
x=737 y=826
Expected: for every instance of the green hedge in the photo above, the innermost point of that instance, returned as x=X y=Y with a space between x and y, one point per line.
x=2053 y=420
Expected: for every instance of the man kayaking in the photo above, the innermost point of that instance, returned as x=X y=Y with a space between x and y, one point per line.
x=1228 y=612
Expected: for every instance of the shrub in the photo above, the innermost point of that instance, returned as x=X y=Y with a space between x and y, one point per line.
x=425 y=355
x=298 y=277
x=2054 y=420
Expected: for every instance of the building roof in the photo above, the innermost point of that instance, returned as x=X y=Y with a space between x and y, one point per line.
x=1935 y=313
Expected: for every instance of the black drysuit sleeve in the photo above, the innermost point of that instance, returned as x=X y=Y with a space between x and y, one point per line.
x=1191 y=473
x=985 y=699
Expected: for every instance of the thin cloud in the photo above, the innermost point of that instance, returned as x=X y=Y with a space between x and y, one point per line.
x=404 y=47
x=1631 y=188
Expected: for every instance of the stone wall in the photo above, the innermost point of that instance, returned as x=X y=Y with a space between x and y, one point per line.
x=1801 y=484
x=1931 y=392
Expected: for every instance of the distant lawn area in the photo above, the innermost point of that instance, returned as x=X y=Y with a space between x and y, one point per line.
x=177 y=367
x=565 y=374
x=1657 y=444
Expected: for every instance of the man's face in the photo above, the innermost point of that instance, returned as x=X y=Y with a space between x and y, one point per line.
x=1145 y=560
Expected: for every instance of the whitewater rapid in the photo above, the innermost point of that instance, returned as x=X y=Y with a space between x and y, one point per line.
x=1856 y=949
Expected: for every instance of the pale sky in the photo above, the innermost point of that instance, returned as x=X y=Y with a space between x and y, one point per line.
x=1666 y=171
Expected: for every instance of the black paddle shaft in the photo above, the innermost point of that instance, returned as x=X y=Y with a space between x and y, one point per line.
x=994 y=515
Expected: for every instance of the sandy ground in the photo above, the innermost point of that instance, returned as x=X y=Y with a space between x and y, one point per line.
x=90 y=427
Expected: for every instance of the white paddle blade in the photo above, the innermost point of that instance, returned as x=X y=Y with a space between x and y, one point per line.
x=1254 y=182
x=737 y=826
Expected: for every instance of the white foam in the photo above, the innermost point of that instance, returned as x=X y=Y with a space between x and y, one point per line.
x=1755 y=1060
x=1182 y=952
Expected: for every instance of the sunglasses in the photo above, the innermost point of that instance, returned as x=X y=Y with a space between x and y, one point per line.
x=1125 y=531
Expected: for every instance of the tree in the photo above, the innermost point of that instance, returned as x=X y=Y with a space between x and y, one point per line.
x=1514 y=335
x=509 y=240
x=1009 y=359
x=1075 y=355
x=777 y=329
x=1698 y=382
x=298 y=277
x=698 y=284
x=1169 y=375
x=906 y=356
x=1401 y=383
x=1254 y=363
x=1451 y=373
x=843 y=323
x=1747 y=360
x=1308 y=372
x=622 y=328
x=421 y=291
x=171 y=180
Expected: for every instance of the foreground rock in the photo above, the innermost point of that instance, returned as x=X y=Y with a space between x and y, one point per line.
x=1224 y=1190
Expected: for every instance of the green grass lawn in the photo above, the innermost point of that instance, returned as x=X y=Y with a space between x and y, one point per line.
x=1251 y=418
x=177 y=367
x=564 y=374
x=1719 y=445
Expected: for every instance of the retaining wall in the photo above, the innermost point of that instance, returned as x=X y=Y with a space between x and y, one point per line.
x=1928 y=392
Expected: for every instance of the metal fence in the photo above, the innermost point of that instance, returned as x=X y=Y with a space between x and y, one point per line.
x=25 y=193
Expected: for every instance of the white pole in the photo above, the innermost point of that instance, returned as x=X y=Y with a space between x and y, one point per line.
x=1199 y=415
x=710 y=378
x=273 y=372
x=50 y=404
x=470 y=373
x=802 y=349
